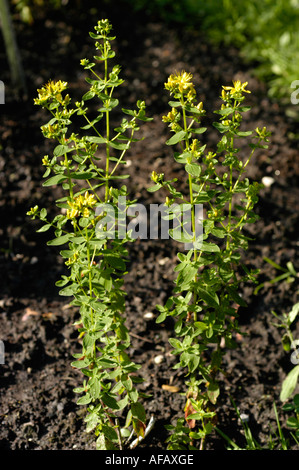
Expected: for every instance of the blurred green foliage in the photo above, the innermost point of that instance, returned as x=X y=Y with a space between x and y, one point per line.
x=27 y=9
x=265 y=31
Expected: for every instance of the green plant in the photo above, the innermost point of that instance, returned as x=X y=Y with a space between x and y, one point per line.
x=285 y=321
x=265 y=32
x=276 y=440
x=289 y=274
x=293 y=421
x=206 y=294
x=27 y=8
x=94 y=250
x=288 y=342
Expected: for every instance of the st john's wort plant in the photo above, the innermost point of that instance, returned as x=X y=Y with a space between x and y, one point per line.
x=286 y=322
x=290 y=345
x=85 y=166
x=206 y=295
x=293 y=421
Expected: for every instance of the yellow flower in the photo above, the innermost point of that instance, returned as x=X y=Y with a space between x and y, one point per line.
x=89 y=199
x=33 y=212
x=50 y=90
x=73 y=259
x=80 y=205
x=50 y=131
x=171 y=116
x=236 y=90
x=194 y=147
x=181 y=83
x=45 y=160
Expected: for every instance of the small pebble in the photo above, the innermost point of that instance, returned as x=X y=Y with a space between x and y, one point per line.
x=244 y=417
x=163 y=261
x=158 y=359
x=148 y=316
x=268 y=181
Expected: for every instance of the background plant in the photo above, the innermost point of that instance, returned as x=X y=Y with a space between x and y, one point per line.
x=286 y=322
x=206 y=296
x=276 y=439
x=266 y=33
x=85 y=166
x=293 y=421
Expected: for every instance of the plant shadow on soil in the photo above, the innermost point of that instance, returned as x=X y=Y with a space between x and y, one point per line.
x=38 y=406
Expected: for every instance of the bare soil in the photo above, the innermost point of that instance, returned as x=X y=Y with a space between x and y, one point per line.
x=37 y=405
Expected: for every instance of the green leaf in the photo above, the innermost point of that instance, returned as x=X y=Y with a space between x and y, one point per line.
x=44 y=228
x=81 y=364
x=119 y=145
x=96 y=140
x=203 y=196
x=188 y=273
x=84 y=400
x=162 y=317
x=138 y=412
x=176 y=344
x=61 y=150
x=225 y=111
x=101 y=442
x=220 y=127
x=192 y=362
x=62 y=282
x=88 y=96
x=243 y=133
x=209 y=247
x=193 y=169
x=182 y=157
x=116 y=262
x=68 y=291
x=293 y=422
x=92 y=420
x=94 y=387
x=54 y=180
x=211 y=298
x=294 y=312
x=178 y=137
x=60 y=240
x=109 y=433
x=83 y=175
x=200 y=130
x=154 y=188
x=110 y=401
x=289 y=384
x=218 y=232
x=235 y=296
x=174 y=104
x=213 y=392
x=201 y=326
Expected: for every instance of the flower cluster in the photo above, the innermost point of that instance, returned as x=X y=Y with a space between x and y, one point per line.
x=263 y=134
x=51 y=131
x=33 y=212
x=81 y=205
x=180 y=85
x=172 y=116
x=234 y=92
x=50 y=91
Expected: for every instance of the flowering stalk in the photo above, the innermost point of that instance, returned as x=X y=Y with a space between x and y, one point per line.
x=205 y=301
x=96 y=259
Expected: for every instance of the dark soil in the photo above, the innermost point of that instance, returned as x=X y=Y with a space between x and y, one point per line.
x=38 y=407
